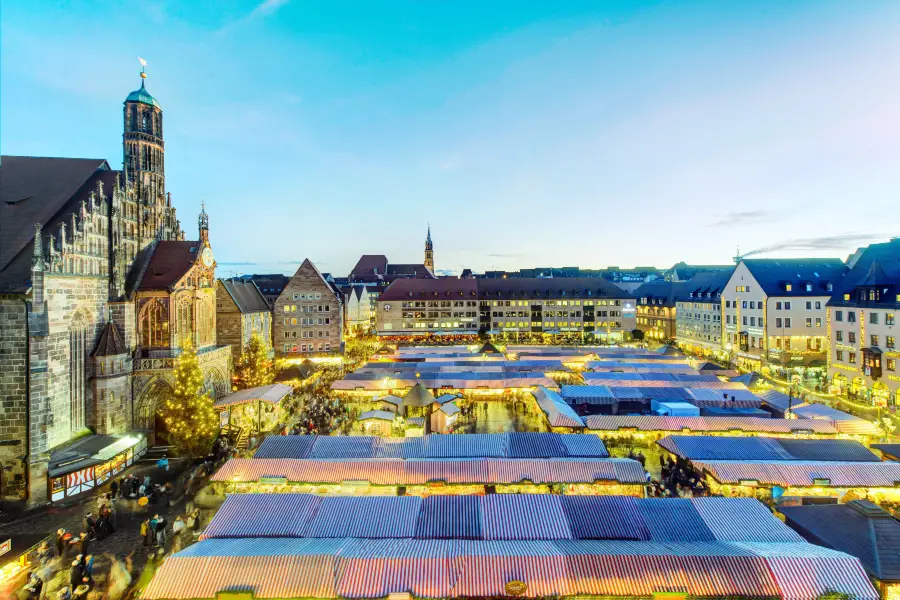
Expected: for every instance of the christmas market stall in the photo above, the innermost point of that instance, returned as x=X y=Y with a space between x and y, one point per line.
x=497 y=546
x=88 y=463
x=786 y=471
x=18 y=554
x=434 y=464
x=256 y=409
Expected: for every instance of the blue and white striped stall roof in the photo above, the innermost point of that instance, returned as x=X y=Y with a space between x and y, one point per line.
x=713 y=448
x=352 y=568
x=433 y=446
x=499 y=517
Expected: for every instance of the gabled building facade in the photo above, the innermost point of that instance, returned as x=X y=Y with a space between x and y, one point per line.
x=359 y=304
x=862 y=326
x=308 y=315
x=774 y=312
x=698 y=314
x=241 y=312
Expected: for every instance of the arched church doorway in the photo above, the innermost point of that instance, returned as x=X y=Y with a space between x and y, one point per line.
x=147 y=416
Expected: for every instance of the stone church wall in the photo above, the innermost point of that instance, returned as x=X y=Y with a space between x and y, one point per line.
x=67 y=299
x=13 y=395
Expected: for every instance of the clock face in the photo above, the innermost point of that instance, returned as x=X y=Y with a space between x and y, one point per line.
x=387 y=307
x=207 y=256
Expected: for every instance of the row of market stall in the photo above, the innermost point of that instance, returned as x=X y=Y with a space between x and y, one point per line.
x=501 y=546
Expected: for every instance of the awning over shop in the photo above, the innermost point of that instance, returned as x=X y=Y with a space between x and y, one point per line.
x=271 y=394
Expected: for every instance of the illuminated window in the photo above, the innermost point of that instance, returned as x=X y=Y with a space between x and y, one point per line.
x=787 y=287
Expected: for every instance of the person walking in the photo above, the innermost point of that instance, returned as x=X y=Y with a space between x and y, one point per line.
x=161 y=532
x=145 y=531
x=163 y=463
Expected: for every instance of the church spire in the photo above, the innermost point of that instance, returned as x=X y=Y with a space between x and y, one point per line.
x=429 y=251
x=203 y=223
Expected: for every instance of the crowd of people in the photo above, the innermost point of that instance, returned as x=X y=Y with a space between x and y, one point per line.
x=676 y=481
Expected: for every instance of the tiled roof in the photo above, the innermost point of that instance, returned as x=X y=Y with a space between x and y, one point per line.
x=773 y=274
x=573 y=287
x=110 y=343
x=246 y=295
x=370 y=264
x=40 y=190
x=422 y=289
x=169 y=262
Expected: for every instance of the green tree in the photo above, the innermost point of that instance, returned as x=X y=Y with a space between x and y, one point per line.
x=254 y=368
x=188 y=413
x=637 y=335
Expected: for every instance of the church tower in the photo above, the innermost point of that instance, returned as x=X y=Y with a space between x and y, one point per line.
x=144 y=165
x=429 y=252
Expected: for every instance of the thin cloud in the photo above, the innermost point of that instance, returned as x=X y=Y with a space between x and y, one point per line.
x=833 y=243
x=503 y=255
x=261 y=10
x=238 y=264
x=747 y=217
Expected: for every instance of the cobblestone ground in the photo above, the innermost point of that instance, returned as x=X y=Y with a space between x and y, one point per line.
x=125 y=544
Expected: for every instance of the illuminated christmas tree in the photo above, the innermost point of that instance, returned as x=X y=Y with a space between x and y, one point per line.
x=188 y=413
x=254 y=368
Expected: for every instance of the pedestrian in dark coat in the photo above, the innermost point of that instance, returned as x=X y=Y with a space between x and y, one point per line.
x=76 y=574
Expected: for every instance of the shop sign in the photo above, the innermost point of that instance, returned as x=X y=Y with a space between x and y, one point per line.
x=748 y=482
x=821 y=481
x=516 y=588
x=5 y=547
x=273 y=480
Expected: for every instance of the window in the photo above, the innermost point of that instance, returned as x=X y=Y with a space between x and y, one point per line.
x=77 y=355
x=745 y=319
x=788 y=287
x=839 y=355
x=787 y=306
x=852 y=358
x=809 y=306
x=889 y=341
x=838 y=315
x=873 y=318
x=818 y=305
x=287 y=348
x=809 y=344
x=846 y=297
x=778 y=343
x=752 y=304
x=744 y=304
x=874 y=340
x=839 y=336
x=851 y=316
x=808 y=322
x=154 y=324
x=818 y=321
x=778 y=322
x=787 y=343
x=891 y=364
x=787 y=322
x=889 y=319
x=808 y=287
x=851 y=337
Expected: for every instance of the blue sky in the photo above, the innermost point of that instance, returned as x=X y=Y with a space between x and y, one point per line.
x=528 y=134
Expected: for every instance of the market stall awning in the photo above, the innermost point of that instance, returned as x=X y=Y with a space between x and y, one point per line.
x=272 y=394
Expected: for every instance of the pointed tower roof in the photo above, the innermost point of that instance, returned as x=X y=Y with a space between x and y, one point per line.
x=111 y=343
x=418 y=395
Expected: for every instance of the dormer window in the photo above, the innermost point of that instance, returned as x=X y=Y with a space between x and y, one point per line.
x=847 y=297
x=828 y=286
x=808 y=287
x=788 y=287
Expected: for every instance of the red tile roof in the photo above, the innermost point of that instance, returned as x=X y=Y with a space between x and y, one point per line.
x=168 y=264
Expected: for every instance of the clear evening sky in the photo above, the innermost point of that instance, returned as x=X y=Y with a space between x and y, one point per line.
x=528 y=133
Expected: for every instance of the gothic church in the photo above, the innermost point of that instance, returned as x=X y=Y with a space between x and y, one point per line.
x=99 y=291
